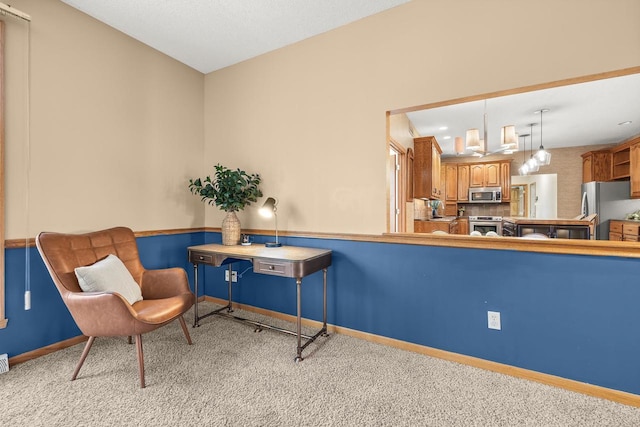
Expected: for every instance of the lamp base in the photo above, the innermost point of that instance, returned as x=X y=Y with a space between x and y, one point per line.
x=272 y=245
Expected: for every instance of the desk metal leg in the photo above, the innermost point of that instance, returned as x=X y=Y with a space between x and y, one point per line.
x=324 y=302
x=299 y=319
x=195 y=288
x=229 y=306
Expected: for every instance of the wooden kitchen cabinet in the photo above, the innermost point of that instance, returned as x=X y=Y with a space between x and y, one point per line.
x=620 y=162
x=484 y=175
x=463 y=182
x=615 y=230
x=628 y=231
x=634 y=165
x=409 y=172
x=450 y=209
x=463 y=225
x=467 y=175
x=492 y=175
x=451 y=182
x=450 y=227
x=505 y=181
x=426 y=168
x=476 y=175
x=596 y=166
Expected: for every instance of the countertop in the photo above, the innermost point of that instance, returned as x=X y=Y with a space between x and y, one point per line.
x=442 y=219
x=547 y=221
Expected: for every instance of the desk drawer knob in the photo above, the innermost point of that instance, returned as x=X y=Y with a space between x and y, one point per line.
x=201 y=258
x=271 y=267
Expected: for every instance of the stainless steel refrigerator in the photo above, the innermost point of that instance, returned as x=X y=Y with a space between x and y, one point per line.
x=610 y=200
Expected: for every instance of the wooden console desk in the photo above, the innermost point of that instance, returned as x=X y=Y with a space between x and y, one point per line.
x=285 y=261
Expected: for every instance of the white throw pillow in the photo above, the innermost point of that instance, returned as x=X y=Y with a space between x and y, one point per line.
x=109 y=275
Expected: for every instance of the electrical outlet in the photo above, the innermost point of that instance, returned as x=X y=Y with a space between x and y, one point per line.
x=234 y=275
x=493 y=318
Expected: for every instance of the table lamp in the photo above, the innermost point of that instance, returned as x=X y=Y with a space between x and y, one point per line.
x=268 y=210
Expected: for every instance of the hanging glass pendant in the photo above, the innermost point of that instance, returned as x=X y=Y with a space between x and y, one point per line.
x=543 y=157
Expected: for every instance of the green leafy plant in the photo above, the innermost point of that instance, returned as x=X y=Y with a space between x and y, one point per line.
x=230 y=190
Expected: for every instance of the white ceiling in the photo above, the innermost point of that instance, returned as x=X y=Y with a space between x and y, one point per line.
x=579 y=114
x=211 y=34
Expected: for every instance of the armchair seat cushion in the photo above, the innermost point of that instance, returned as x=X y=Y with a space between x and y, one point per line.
x=109 y=275
x=158 y=311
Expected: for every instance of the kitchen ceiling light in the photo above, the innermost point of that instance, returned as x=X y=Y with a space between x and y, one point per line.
x=532 y=163
x=473 y=139
x=524 y=169
x=508 y=138
x=459 y=145
x=513 y=148
x=542 y=156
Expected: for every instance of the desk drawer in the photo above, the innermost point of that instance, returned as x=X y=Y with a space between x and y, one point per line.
x=273 y=267
x=631 y=229
x=200 y=258
x=615 y=227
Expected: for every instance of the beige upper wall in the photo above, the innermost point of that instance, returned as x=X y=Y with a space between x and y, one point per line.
x=116 y=128
x=310 y=118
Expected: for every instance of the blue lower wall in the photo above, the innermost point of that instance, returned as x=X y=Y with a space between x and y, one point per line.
x=566 y=315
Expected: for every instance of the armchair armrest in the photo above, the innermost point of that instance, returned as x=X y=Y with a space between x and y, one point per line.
x=164 y=283
x=101 y=313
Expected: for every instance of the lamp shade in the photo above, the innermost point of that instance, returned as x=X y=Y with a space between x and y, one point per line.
x=532 y=164
x=543 y=157
x=459 y=145
x=473 y=139
x=268 y=208
x=508 y=138
x=524 y=169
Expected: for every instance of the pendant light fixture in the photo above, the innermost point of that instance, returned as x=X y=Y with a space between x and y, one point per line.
x=473 y=139
x=459 y=145
x=473 y=135
x=508 y=138
x=532 y=163
x=542 y=156
x=524 y=169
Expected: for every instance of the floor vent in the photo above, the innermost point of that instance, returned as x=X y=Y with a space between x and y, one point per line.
x=4 y=363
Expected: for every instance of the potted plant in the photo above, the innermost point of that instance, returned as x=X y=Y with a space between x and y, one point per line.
x=231 y=191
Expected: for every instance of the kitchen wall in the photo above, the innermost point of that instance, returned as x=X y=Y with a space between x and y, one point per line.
x=566 y=163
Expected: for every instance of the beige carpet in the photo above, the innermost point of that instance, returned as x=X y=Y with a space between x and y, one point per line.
x=233 y=376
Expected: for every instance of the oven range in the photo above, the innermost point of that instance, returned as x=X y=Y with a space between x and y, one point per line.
x=484 y=224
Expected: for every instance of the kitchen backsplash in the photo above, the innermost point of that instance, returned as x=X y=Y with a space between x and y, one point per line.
x=486 y=209
x=422 y=210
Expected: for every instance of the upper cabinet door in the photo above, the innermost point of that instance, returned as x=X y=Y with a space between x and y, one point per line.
x=492 y=175
x=634 y=159
x=451 y=182
x=426 y=168
x=505 y=181
x=463 y=182
x=476 y=175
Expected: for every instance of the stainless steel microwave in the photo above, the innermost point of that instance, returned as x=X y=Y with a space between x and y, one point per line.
x=485 y=195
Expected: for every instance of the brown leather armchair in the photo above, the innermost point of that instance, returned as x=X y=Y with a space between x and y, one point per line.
x=166 y=294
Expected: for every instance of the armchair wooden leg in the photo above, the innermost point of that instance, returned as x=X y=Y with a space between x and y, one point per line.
x=129 y=339
x=140 y=359
x=185 y=329
x=85 y=352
